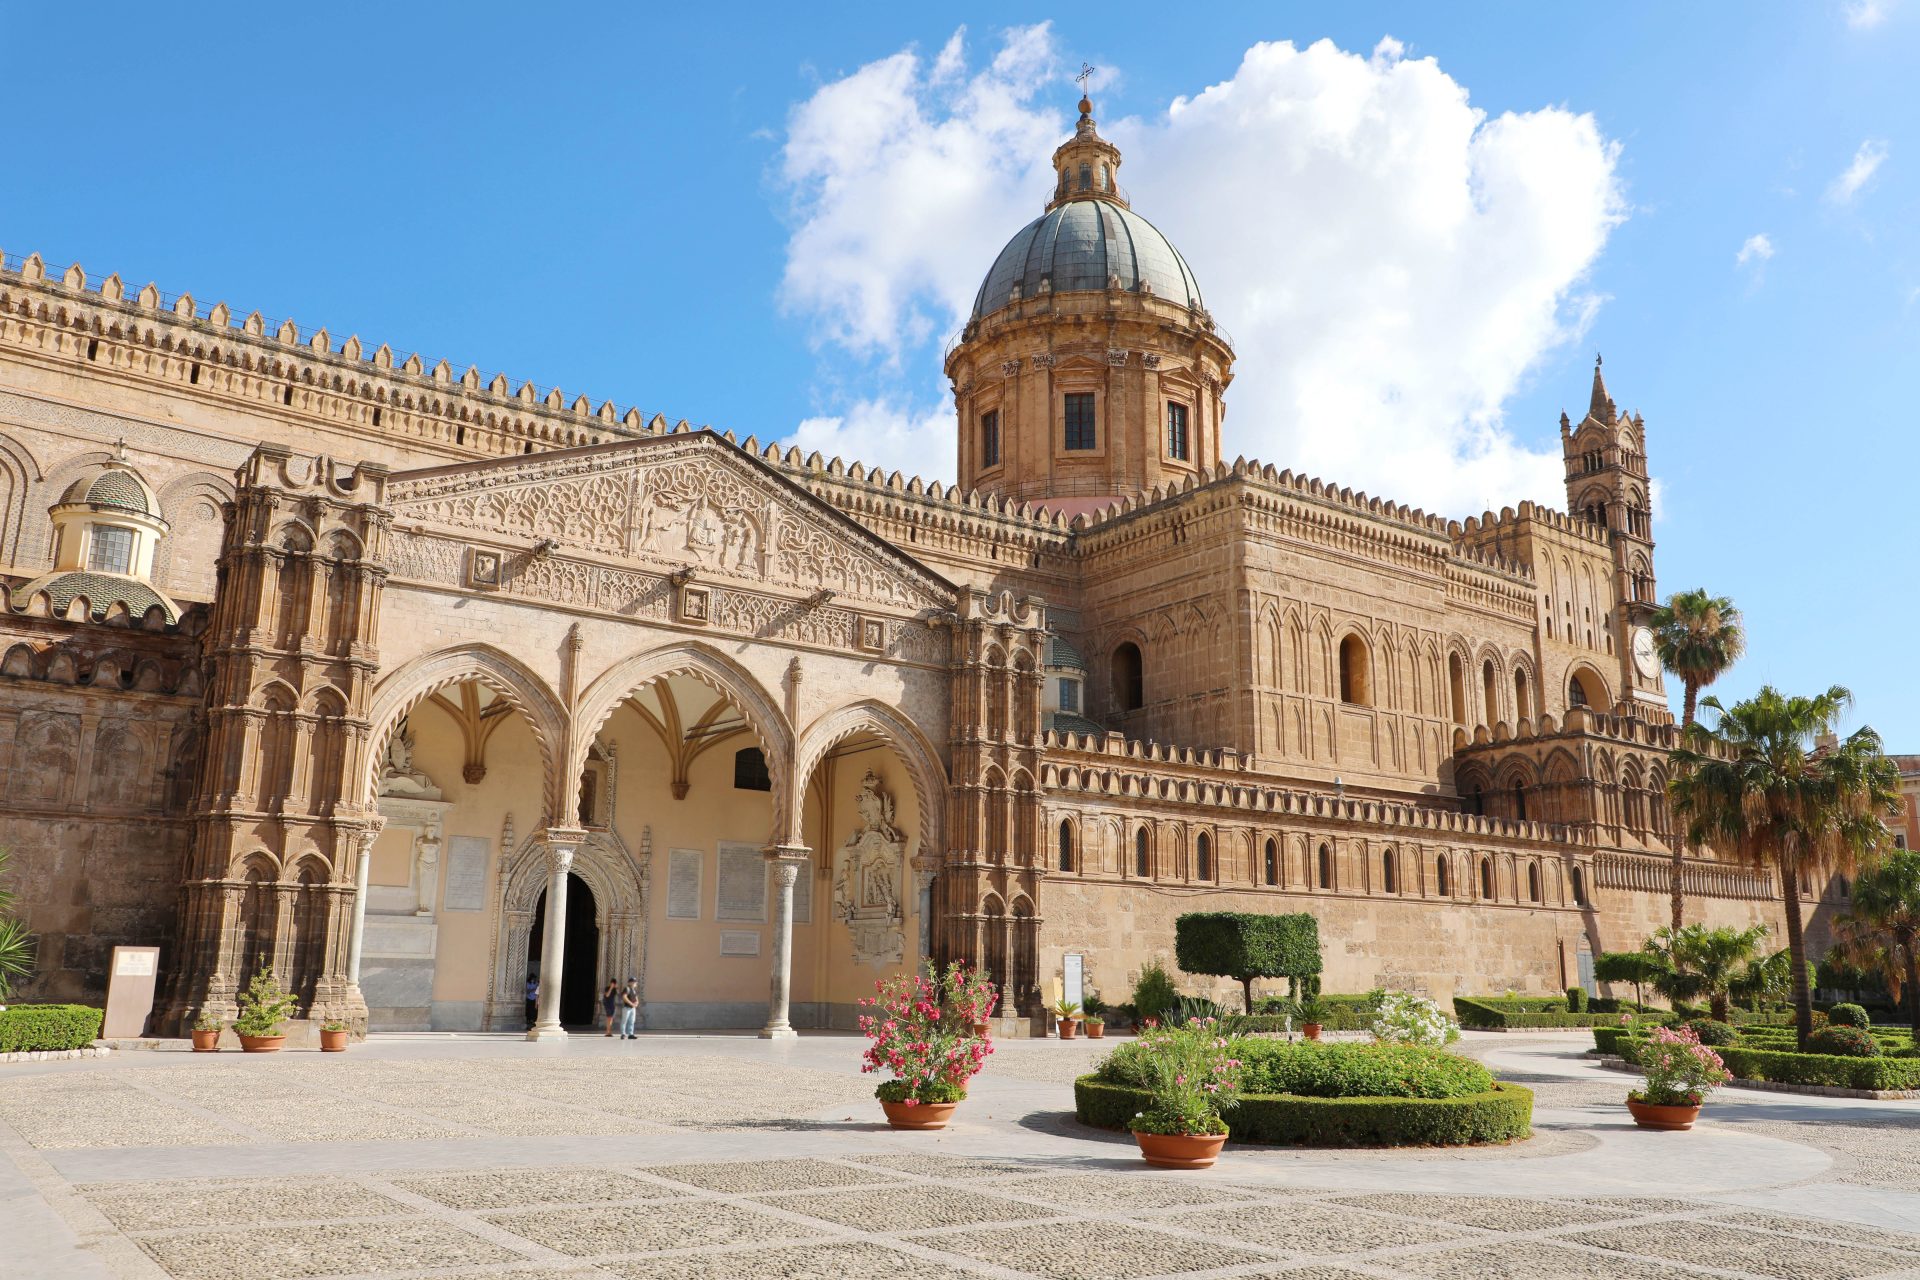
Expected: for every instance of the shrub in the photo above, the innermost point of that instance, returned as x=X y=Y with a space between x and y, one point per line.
x=37 y=1028
x=1511 y=1012
x=1189 y=1076
x=1153 y=992
x=265 y=1007
x=1680 y=1071
x=922 y=1031
x=1324 y=1069
x=1848 y=1015
x=1842 y=1041
x=1576 y=999
x=1190 y=1008
x=1405 y=1018
x=1709 y=1032
x=1822 y=1069
x=1245 y=945
x=1501 y=1113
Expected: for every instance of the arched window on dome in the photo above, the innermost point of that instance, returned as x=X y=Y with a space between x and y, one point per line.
x=1086 y=177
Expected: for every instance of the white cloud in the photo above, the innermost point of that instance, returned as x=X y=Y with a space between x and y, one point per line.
x=1758 y=248
x=1866 y=162
x=1391 y=261
x=1864 y=15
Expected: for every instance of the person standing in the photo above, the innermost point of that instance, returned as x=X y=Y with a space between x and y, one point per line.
x=533 y=999
x=610 y=1004
x=629 y=1008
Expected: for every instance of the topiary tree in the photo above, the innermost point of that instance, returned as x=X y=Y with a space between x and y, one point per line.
x=1843 y=1042
x=1245 y=946
x=1641 y=968
x=1848 y=1015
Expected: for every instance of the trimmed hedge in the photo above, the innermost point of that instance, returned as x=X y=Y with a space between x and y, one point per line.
x=1822 y=1069
x=1493 y=1013
x=1325 y=1069
x=35 y=1028
x=1503 y=1113
x=1245 y=945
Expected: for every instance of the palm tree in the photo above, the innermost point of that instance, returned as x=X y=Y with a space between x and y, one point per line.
x=1706 y=962
x=1755 y=786
x=16 y=944
x=1882 y=929
x=1698 y=637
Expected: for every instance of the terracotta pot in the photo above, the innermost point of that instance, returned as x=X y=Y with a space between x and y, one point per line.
x=980 y=1028
x=1180 y=1150
x=206 y=1041
x=334 y=1041
x=1311 y=1030
x=262 y=1044
x=925 y=1115
x=1066 y=1026
x=1653 y=1115
x=1096 y=1030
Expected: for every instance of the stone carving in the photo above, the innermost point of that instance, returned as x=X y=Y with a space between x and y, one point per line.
x=1116 y=356
x=398 y=777
x=1043 y=361
x=1150 y=360
x=867 y=890
x=1009 y=367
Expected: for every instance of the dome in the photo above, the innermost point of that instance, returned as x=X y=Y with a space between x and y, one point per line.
x=102 y=590
x=114 y=487
x=1082 y=245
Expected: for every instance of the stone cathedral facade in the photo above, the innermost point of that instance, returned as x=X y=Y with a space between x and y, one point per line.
x=411 y=685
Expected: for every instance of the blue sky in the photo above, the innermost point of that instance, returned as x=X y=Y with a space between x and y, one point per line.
x=622 y=202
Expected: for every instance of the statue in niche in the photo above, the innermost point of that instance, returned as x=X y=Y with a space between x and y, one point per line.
x=866 y=892
x=398 y=777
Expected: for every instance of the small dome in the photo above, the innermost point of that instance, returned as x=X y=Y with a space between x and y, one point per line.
x=114 y=487
x=102 y=590
x=1083 y=245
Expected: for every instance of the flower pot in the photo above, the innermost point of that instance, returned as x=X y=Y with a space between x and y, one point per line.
x=334 y=1041
x=1311 y=1030
x=1067 y=1028
x=1180 y=1150
x=262 y=1044
x=980 y=1028
x=1096 y=1030
x=1654 y=1115
x=206 y=1041
x=918 y=1115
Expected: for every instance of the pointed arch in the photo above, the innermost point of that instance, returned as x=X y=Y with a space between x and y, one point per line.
x=925 y=769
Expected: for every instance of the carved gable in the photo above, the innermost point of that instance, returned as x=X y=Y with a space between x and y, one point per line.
x=687 y=500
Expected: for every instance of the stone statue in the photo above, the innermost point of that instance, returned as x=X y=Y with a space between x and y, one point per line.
x=398 y=777
x=875 y=807
x=867 y=888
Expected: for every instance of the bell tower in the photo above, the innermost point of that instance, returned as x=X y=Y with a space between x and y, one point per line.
x=1090 y=369
x=1607 y=485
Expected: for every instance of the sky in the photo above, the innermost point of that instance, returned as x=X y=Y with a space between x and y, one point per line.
x=1419 y=224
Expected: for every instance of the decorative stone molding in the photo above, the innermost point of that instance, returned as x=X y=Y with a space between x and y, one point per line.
x=1044 y=360
x=1009 y=367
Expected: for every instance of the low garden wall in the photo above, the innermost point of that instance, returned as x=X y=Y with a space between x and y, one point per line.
x=1502 y=1114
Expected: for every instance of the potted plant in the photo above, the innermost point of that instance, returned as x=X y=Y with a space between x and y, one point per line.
x=333 y=1036
x=1096 y=1026
x=1064 y=1013
x=1192 y=1077
x=1680 y=1073
x=265 y=1007
x=206 y=1033
x=1311 y=1012
x=922 y=1031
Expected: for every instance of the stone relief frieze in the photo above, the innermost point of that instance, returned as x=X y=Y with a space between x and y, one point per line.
x=868 y=884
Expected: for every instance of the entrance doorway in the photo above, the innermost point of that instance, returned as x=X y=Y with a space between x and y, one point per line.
x=580 y=981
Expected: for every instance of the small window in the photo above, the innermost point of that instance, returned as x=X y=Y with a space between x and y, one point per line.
x=1326 y=867
x=1491 y=688
x=1066 y=846
x=1086 y=177
x=1355 y=687
x=1486 y=879
x=112 y=550
x=750 y=770
x=1579 y=887
x=1080 y=432
x=1440 y=875
x=1533 y=882
x=1177 y=431
x=1069 y=695
x=1387 y=872
x=1273 y=863
x=1519 y=802
x=1457 y=686
x=990 y=438
x=1203 y=857
x=1140 y=853
x=1128 y=688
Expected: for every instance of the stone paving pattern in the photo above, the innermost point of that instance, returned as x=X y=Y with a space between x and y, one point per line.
x=490 y=1162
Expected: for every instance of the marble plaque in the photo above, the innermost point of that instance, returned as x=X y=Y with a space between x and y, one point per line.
x=466 y=879
x=683 y=883
x=739 y=942
x=740 y=883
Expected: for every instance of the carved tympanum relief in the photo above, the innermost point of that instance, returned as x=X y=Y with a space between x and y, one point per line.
x=867 y=886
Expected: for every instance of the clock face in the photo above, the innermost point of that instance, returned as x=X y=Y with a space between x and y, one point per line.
x=1645 y=660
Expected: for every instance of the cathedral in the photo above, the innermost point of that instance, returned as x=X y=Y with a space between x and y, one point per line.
x=448 y=700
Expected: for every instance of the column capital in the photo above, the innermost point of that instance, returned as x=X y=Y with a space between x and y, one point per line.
x=787 y=853
x=562 y=843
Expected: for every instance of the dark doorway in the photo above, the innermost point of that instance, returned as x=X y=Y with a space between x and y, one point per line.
x=580 y=983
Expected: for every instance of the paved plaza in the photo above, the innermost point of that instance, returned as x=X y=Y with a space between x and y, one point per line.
x=675 y=1157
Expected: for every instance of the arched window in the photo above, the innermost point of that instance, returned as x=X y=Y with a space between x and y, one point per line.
x=750 y=770
x=1355 y=685
x=1386 y=872
x=1457 y=684
x=1533 y=881
x=1519 y=800
x=1491 y=688
x=1584 y=691
x=1140 y=853
x=1579 y=886
x=1128 y=690
x=1472 y=801
x=1086 y=176
x=1066 y=845
x=1203 y=856
x=1486 y=879
x=1440 y=875
x=1326 y=867
x=1273 y=863
x=1522 y=703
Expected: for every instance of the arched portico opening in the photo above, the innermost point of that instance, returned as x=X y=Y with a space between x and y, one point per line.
x=581 y=980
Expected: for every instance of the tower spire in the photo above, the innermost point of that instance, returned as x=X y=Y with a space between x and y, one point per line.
x=1600 y=408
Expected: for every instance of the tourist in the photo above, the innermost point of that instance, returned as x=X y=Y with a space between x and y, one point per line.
x=629 y=1007
x=609 y=1003
x=533 y=998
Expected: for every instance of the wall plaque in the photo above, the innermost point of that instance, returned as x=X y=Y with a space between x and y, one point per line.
x=466 y=885
x=740 y=883
x=683 y=883
x=739 y=942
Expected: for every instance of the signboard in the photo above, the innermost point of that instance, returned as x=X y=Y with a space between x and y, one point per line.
x=130 y=984
x=739 y=942
x=740 y=889
x=1073 y=978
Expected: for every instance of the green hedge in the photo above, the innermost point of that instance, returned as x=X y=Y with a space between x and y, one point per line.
x=1494 y=1013
x=34 y=1028
x=1337 y=1012
x=1502 y=1114
x=1822 y=1069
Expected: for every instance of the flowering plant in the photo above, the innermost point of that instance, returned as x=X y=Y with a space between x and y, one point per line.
x=1404 y=1018
x=1191 y=1075
x=1680 y=1071
x=922 y=1031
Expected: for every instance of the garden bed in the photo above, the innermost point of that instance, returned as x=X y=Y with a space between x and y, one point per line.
x=1881 y=1076
x=1502 y=1114
x=1615 y=1063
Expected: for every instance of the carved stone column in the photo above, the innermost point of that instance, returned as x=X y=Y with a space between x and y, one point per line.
x=788 y=860
x=562 y=843
x=362 y=864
